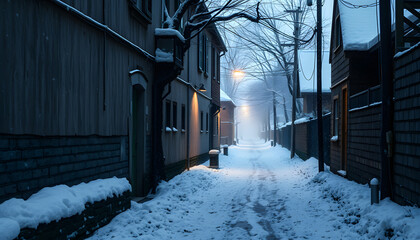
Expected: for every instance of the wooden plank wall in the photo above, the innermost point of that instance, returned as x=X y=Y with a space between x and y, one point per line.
x=61 y=76
x=406 y=164
x=364 y=132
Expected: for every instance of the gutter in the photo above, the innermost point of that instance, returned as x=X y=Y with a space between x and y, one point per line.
x=103 y=27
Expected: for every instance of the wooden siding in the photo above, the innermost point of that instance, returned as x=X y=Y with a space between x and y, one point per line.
x=340 y=66
x=61 y=76
x=364 y=71
x=335 y=147
x=406 y=164
x=364 y=160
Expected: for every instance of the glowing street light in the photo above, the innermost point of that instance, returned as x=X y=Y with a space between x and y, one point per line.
x=238 y=74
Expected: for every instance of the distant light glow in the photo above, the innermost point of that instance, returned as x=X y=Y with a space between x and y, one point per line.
x=238 y=74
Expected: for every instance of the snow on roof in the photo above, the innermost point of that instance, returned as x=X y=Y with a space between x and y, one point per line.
x=225 y=98
x=359 y=26
x=307 y=71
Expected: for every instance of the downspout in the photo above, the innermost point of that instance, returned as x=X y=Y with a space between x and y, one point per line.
x=188 y=112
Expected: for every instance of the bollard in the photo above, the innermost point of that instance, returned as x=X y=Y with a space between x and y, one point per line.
x=272 y=143
x=214 y=158
x=374 y=191
x=225 y=150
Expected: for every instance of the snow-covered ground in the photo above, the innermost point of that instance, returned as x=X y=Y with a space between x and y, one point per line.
x=260 y=193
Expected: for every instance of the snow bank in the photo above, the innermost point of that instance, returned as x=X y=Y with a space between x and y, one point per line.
x=386 y=220
x=9 y=229
x=54 y=203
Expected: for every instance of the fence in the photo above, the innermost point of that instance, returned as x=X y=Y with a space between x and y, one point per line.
x=307 y=138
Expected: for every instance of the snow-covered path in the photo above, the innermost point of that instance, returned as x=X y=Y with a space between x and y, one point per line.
x=260 y=193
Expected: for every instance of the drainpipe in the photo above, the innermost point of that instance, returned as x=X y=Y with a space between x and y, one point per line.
x=188 y=112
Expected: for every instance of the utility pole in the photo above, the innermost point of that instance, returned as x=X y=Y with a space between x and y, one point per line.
x=319 y=85
x=385 y=54
x=286 y=118
x=296 y=34
x=274 y=119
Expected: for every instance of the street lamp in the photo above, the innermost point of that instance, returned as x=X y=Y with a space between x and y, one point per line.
x=238 y=74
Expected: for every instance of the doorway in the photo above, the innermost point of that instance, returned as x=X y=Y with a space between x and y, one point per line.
x=138 y=133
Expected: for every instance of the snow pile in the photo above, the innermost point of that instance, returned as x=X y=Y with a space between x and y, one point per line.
x=260 y=193
x=54 y=203
x=386 y=220
x=169 y=32
x=162 y=56
x=225 y=98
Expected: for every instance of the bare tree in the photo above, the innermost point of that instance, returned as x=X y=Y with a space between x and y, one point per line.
x=197 y=19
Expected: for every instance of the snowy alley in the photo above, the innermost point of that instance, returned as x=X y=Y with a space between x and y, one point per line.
x=260 y=193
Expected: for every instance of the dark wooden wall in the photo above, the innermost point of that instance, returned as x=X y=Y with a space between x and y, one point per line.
x=364 y=130
x=406 y=164
x=60 y=75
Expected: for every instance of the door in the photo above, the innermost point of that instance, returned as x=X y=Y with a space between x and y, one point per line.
x=344 y=113
x=138 y=133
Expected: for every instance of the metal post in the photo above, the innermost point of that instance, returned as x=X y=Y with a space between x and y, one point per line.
x=319 y=85
x=387 y=95
x=274 y=119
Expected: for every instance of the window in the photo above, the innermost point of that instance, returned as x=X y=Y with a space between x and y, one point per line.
x=168 y=113
x=213 y=63
x=207 y=122
x=183 y=117
x=202 y=52
x=337 y=32
x=174 y=115
x=218 y=67
x=201 y=121
x=168 y=5
x=335 y=123
x=145 y=7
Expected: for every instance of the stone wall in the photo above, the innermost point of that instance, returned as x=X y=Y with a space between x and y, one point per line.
x=30 y=163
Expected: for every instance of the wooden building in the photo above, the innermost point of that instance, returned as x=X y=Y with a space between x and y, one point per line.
x=75 y=95
x=191 y=109
x=356 y=101
x=227 y=115
x=354 y=69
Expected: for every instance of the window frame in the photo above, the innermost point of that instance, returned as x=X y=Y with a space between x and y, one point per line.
x=337 y=33
x=201 y=121
x=174 y=114
x=207 y=122
x=168 y=113
x=336 y=116
x=183 y=118
x=142 y=10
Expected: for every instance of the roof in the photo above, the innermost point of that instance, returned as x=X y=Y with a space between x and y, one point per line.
x=359 y=26
x=225 y=98
x=307 y=71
